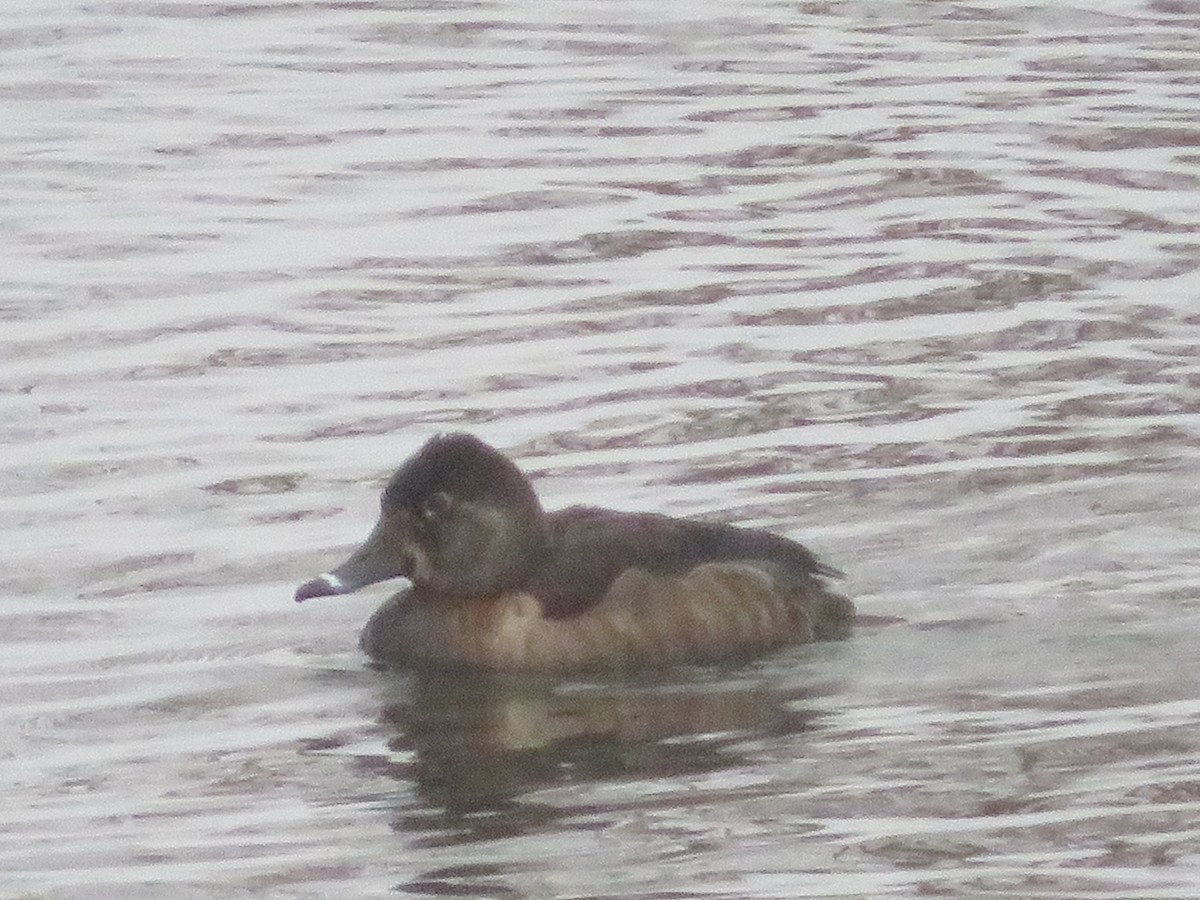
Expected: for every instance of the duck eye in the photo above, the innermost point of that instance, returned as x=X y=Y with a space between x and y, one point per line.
x=435 y=506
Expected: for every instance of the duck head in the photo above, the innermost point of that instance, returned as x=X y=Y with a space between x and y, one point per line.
x=458 y=518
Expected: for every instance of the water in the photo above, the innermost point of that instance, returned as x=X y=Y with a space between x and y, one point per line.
x=914 y=283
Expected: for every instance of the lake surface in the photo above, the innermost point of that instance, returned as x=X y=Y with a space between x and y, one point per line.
x=915 y=283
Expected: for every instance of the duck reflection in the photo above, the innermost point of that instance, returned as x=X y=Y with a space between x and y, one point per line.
x=475 y=746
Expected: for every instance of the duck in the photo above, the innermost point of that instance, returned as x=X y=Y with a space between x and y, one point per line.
x=497 y=584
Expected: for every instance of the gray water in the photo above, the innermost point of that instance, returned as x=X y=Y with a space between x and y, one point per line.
x=915 y=283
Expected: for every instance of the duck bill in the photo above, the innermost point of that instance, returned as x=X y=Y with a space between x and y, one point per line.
x=369 y=564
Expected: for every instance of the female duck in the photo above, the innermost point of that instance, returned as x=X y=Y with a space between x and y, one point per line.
x=499 y=584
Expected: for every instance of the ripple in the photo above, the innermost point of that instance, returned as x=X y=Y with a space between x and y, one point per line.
x=915 y=289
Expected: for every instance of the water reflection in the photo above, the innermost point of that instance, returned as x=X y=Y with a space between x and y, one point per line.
x=476 y=746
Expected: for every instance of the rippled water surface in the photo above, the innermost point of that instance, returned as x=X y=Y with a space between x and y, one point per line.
x=916 y=283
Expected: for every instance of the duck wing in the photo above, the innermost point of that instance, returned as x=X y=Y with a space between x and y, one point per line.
x=590 y=547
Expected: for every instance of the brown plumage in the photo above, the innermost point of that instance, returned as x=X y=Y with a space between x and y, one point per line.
x=498 y=584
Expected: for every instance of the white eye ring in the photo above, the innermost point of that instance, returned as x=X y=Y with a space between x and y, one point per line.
x=435 y=505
